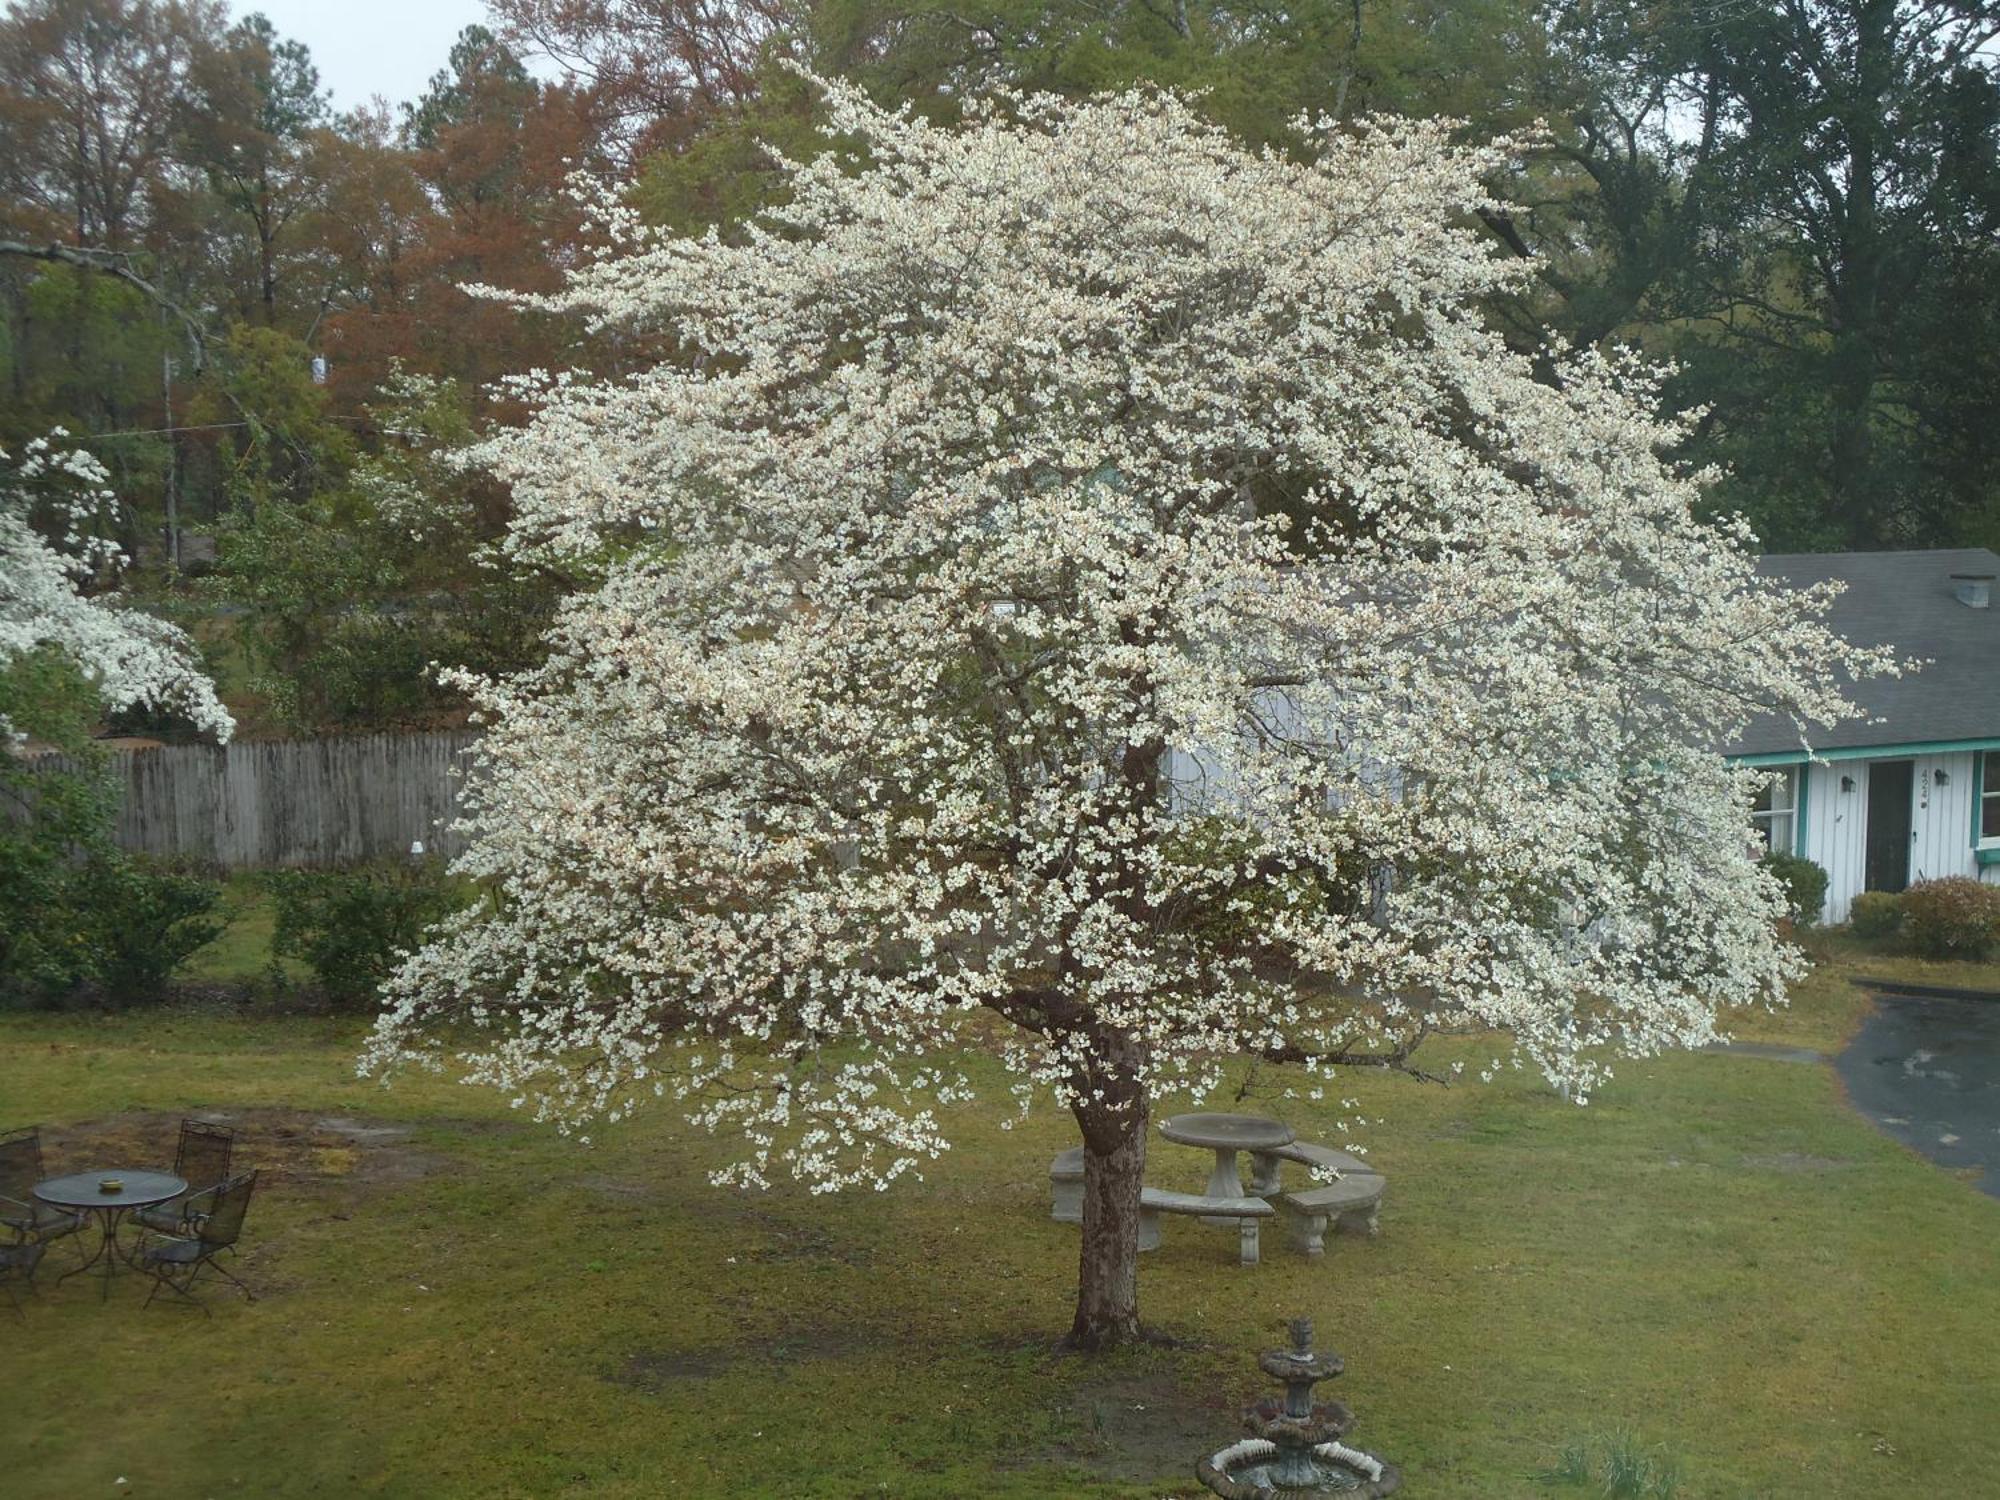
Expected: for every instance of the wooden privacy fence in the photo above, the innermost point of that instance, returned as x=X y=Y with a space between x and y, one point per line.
x=290 y=802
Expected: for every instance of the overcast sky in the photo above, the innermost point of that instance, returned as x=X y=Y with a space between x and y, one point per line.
x=368 y=47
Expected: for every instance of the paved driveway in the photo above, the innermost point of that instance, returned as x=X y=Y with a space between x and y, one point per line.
x=1928 y=1072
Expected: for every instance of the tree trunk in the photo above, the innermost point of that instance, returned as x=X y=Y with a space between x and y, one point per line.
x=1857 y=505
x=1857 y=290
x=1114 y=1170
x=267 y=276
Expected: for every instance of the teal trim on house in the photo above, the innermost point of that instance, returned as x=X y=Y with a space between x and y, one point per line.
x=1978 y=792
x=1799 y=812
x=1867 y=752
x=1986 y=857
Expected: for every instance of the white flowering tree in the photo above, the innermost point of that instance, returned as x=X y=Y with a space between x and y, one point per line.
x=1092 y=575
x=52 y=547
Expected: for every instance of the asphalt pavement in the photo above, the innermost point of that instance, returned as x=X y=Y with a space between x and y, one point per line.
x=1926 y=1069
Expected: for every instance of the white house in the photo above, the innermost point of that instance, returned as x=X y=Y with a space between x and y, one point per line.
x=1913 y=791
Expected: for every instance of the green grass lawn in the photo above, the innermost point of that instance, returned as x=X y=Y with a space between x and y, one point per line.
x=241 y=954
x=1715 y=1255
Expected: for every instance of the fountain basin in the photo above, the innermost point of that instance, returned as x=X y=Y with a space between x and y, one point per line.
x=1290 y=1365
x=1249 y=1471
x=1328 y=1423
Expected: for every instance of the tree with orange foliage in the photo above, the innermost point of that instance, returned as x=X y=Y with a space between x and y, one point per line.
x=655 y=71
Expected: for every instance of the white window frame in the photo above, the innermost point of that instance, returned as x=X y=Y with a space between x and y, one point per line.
x=1782 y=813
x=1985 y=795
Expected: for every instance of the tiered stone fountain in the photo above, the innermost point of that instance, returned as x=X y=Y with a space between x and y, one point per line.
x=1294 y=1450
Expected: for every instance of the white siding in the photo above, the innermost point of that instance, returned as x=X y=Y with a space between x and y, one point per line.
x=1942 y=818
x=1836 y=824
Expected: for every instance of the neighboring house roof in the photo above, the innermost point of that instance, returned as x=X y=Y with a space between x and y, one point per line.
x=1907 y=600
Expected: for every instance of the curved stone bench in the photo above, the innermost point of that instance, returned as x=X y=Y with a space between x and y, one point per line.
x=1245 y=1211
x=1066 y=1186
x=1066 y=1190
x=1323 y=1160
x=1353 y=1203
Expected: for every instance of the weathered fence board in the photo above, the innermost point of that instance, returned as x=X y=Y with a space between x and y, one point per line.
x=291 y=802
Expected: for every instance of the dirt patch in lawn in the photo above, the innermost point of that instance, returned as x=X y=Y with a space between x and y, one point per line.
x=786 y=1241
x=1136 y=1428
x=618 y=1189
x=287 y=1146
x=796 y=1344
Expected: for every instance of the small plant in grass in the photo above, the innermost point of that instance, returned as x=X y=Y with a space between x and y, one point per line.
x=1572 y=1465
x=352 y=927
x=1954 y=918
x=1616 y=1466
x=1876 y=915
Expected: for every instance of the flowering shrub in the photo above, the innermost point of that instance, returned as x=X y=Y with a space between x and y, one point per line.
x=1957 y=917
x=1026 y=489
x=131 y=658
x=74 y=910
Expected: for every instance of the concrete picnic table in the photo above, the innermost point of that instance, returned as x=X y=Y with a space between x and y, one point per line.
x=1226 y=1135
x=1346 y=1192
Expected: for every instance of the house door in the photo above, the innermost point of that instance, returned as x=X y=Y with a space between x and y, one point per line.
x=1887 y=859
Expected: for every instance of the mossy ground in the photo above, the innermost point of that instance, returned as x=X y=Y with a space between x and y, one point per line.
x=1716 y=1256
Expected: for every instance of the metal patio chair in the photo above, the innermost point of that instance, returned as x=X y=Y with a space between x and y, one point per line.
x=18 y=1262
x=175 y=1261
x=202 y=1162
x=22 y=1214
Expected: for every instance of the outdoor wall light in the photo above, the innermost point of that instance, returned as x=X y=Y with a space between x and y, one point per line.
x=1940 y=777
x=1847 y=783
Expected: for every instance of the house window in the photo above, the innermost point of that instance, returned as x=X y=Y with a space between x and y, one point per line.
x=1989 y=797
x=1775 y=811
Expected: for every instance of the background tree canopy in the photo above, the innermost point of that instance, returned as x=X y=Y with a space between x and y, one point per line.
x=1795 y=202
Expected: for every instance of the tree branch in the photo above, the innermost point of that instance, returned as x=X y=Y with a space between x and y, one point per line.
x=1395 y=1060
x=116 y=266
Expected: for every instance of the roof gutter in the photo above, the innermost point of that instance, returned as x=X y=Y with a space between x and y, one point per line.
x=1862 y=752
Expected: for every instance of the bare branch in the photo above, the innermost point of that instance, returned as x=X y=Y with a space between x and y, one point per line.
x=118 y=267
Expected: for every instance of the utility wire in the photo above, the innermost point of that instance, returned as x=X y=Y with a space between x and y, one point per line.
x=91 y=437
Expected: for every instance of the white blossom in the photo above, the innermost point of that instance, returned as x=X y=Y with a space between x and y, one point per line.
x=1093 y=574
x=133 y=659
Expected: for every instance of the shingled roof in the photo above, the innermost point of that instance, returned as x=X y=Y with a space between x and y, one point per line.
x=1906 y=600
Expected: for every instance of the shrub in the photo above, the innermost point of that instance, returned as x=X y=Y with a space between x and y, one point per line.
x=1954 y=918
x=1875 y=914
x=104 y=919
x=41 y=950
x=76 y=911
x=141 y=922
x=351 y=926
x=1804 y=883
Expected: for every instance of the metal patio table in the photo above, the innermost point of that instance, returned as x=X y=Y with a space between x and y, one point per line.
x=1226 y=1135
x=84 y=1191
